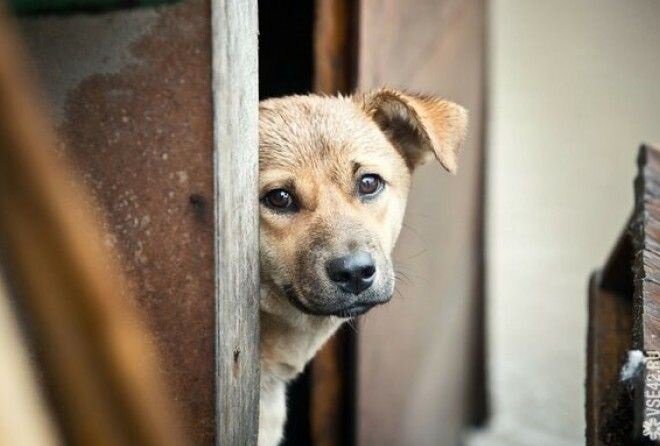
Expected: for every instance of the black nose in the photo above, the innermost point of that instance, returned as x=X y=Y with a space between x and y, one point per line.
x=353 y=273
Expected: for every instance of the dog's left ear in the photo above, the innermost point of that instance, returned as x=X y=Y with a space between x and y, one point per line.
x=419 y=126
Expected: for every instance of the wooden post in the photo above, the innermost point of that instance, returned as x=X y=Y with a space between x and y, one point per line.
x=235 y=120
x=645 y=232
x=624 y=314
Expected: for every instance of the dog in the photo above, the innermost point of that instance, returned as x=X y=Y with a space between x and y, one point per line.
x=334 y=176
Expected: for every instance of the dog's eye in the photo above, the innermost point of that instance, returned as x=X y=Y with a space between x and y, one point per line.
x=280 y=199
x=370 y=184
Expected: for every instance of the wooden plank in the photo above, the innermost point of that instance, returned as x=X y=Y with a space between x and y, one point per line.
x=332 y=405
x=617 y=274
x=95 y=355
x=235 y=124
x=332 y=399
x=22 y=401
x=645 y=231
x=624 y=314
x=335 y=48
x=412 y=390
x=609 y=336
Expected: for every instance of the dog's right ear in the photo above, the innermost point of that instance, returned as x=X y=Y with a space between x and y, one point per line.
x=418 y=126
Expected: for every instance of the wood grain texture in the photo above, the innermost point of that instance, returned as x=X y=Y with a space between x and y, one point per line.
x=617 y=274
x=624 y=314
x=418 y=353
x=235 y=121
x=97 y=358
x=609 y=336
x=645 y=232
x=335 y=46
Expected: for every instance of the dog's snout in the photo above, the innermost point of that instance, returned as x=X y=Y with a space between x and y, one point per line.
x=353 y=273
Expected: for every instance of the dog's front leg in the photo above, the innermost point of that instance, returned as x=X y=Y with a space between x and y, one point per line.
x=272 y=410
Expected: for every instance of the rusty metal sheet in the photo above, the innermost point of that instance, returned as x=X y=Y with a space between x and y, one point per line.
x=131 y=93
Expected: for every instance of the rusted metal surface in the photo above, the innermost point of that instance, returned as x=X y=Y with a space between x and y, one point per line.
x=136 y=120
x=97 y=360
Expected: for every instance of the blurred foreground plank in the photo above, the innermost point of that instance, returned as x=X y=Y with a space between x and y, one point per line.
x=25 y=421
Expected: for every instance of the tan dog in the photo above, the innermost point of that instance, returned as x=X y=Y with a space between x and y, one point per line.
x=334 y=179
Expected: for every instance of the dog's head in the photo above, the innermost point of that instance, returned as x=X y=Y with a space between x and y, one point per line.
x=334 y=178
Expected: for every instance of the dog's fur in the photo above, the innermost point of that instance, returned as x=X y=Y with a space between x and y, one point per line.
x=316 y=148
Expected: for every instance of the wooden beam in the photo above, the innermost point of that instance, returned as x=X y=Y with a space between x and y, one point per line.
x=645 y=231
x=624 y=315
x=608 y=340
x=435 y=47
x=235 y=98
x=335 y=38
x=617 y=274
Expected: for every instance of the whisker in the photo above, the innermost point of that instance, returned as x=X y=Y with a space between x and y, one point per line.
x=417 y=254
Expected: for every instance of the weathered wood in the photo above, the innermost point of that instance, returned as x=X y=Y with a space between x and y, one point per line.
x=645 y=231
x=617 y=275
x=435 y=47
x=95 y=355
x=235 y=98
x=332 y=402
x=608 y=402
x=335 y=46
x=332 y=399
x=624 y=314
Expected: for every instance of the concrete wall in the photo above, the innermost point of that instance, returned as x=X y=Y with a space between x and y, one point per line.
x=574 y=89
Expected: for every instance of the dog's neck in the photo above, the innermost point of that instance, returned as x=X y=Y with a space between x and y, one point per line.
x=290 y=338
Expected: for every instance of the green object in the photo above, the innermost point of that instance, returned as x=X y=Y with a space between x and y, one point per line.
x=73 y=6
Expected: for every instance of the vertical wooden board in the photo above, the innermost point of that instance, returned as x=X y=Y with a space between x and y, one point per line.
x=645 y=232
x=235 y=96
x=609 y=337
x=131 y=93
x=416 y=353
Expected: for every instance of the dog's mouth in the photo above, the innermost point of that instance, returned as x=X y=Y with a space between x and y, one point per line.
x=353 y=309
x=356 y=310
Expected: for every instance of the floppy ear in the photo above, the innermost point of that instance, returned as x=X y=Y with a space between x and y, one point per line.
x=419 y=126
